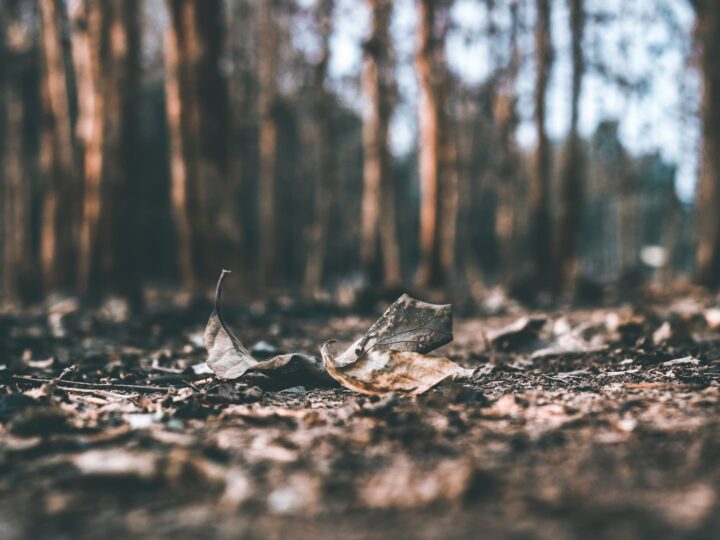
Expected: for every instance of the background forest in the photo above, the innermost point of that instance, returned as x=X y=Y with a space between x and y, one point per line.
x=323 y=146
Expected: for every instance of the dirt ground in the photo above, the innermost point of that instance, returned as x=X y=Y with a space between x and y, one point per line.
x=603 y=423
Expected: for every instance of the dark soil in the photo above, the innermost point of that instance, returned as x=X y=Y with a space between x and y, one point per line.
x=605 y=425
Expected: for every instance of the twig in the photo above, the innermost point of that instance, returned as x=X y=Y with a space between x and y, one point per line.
x=180 y=377
x=96 y=386
x=93 y=392
x=191 y=385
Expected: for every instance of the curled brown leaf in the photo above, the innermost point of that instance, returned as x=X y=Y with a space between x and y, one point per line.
x=381 y=371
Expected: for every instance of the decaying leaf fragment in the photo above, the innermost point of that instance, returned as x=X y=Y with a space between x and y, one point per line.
x=390 y=356
x=229 y=359
x=408 y=325
x=381 y=371
x=518 y=334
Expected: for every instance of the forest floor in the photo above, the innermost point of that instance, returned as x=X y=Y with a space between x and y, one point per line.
x=601 y=423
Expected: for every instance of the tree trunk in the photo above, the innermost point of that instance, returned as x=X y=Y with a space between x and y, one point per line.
x=106 y=51
x=707 y=35
x=573 y=164
x=267 y=74
x=57 y=156
x=196 y=100
x=506 y=120
x=120 y=88
x=178 y=166
x=438 y=175
x=18 y=256
x=86 y=36
x=315 y=262
x=380 y=251
x=239 y=201
x=540 y=185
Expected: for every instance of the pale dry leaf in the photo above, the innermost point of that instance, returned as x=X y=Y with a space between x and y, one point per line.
x=229 y=359
x=390 y=356
x=408 y=325
x=227 y=356
x=380 y=371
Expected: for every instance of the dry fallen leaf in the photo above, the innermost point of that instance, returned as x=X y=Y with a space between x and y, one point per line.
x=389 y=357
x=381 y=371
x=407 y=325
x=229 y=359
x=227 y=356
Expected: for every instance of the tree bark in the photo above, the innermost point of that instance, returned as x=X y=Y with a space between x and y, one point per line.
x=196 y=101
x=18 y=257
x=57 y=156
x=438 y=175
x=86 y=43
x=707 y=36
x=106 y=50
x=240 y=205
x=315 y=262
x=120 y=87
x=380 y=251
x=541 y=175
x=573 y=169
x=506 y=120
x=267 y=75
x=178 y=166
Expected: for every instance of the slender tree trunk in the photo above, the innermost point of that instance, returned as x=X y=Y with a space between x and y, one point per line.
x=506 y=120
x=315 y=262
x=239 y=205
x=178 y=167
x=707 y=35
x=628 y=218
x=380 y=251
x=541 y=175
x=57 y=155
x=106 y=51
x=267 y=75
x=118 y=225
x=438 y=176
x=573 y=164
x=196 y=100
x=18 y=257
x=86 y=43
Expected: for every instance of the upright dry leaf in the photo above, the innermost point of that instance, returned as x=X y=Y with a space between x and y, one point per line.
x=407 y=325
x=227 y=356
x=229 y=359
x=382 y=371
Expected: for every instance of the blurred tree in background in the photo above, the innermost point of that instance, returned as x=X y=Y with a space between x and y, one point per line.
x=149 y=143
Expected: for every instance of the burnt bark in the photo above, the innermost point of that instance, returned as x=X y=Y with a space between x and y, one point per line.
x=506 y=119
x=106 y=52
x=540 y=177
x=18 y=257
x=268 y=93
x=438 y=174
x=380 y=251
x=573 y=166
x=57 y=161
x=315 y=261
x=707 y=36
x=86 y=42
x=196 y=97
